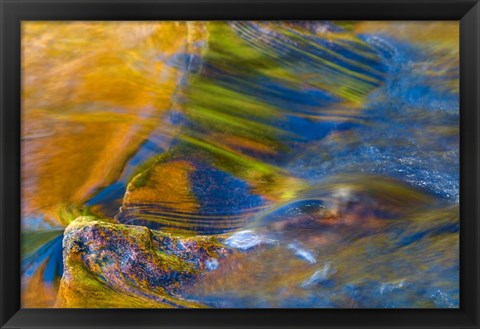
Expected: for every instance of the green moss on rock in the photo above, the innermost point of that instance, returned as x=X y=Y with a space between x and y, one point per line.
x=113 y=265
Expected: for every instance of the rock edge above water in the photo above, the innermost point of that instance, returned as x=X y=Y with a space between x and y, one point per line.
x=107 y=264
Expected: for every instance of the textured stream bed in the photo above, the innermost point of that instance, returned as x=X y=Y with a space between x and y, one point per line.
x=240 y=164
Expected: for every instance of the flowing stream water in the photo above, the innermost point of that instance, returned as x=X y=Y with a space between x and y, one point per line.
x=326 y=154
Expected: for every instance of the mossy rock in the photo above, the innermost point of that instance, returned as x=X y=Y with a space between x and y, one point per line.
x=113 y=265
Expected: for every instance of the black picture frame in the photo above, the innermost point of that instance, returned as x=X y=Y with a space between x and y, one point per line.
x=14 y=11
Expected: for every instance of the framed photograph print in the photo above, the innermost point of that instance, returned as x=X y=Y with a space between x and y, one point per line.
x=239 y=164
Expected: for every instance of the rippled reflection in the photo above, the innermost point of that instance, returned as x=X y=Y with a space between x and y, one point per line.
x=244 y=164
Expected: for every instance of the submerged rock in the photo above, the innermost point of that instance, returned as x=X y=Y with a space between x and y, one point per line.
x=114 y=265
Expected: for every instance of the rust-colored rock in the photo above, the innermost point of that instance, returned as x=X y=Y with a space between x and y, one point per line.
x=114 y=265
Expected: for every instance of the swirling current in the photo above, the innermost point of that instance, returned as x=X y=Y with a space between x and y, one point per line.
x=244 y=164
